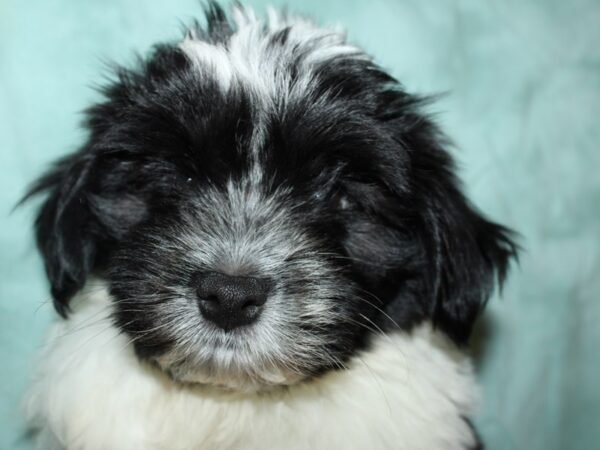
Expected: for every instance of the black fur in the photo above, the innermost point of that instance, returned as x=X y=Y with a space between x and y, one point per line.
x=366 y=172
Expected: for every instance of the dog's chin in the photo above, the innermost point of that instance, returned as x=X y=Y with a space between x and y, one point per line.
x=238 y=381
x=239 y=378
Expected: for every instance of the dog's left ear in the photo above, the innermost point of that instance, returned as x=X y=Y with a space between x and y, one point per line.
x=464 y=254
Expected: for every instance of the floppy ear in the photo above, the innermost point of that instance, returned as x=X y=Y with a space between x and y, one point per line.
x=79 y=221
x=462 y=254
x=465 y=254
x=91 y=204
x=63 y=228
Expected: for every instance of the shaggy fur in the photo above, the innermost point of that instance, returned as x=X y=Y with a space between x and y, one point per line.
x=409 y=391
x=277 y=154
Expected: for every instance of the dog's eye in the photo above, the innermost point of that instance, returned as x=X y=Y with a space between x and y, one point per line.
x=338 y=198
x=342 y=201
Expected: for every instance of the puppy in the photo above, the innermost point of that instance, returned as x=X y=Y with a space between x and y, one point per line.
x=261 y=245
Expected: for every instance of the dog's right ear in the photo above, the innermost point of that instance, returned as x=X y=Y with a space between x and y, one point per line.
x=88 y=209
x=64 y=230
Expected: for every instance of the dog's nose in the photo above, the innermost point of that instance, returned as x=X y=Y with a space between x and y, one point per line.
x=231 y=301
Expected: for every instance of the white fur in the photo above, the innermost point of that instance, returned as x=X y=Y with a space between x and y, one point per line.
x=218 y=235
x=409 y=391
x=248 y=58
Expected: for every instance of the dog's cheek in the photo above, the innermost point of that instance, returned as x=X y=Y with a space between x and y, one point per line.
x=377 y=250
x=143 y=294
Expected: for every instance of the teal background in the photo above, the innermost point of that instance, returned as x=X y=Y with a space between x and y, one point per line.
x=522 y=103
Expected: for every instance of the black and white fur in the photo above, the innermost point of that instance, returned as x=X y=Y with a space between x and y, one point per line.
x=270 y=149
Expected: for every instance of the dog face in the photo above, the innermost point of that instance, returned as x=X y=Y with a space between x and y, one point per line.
x=262 y=199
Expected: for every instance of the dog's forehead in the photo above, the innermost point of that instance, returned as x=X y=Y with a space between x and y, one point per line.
x=275 y=101
x=273 y=71
x=275 y=59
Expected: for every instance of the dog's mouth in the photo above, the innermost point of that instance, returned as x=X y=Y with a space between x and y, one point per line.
x=233 y=378
x=230 y=369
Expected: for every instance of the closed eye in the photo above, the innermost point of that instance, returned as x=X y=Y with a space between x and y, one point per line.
x=328 y=186
x=342 y=200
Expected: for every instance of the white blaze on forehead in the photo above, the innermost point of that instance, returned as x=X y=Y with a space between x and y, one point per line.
x=209 y=57
x=273 y=73
x=250 y=57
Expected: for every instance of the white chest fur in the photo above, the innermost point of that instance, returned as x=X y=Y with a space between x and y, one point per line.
x=409 y=391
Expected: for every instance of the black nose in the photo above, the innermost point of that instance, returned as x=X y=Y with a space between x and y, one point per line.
x=229 y=301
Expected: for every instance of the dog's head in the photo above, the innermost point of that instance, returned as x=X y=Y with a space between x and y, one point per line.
x=261 y=199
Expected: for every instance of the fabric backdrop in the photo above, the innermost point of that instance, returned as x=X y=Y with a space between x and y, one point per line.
x=521 y=80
